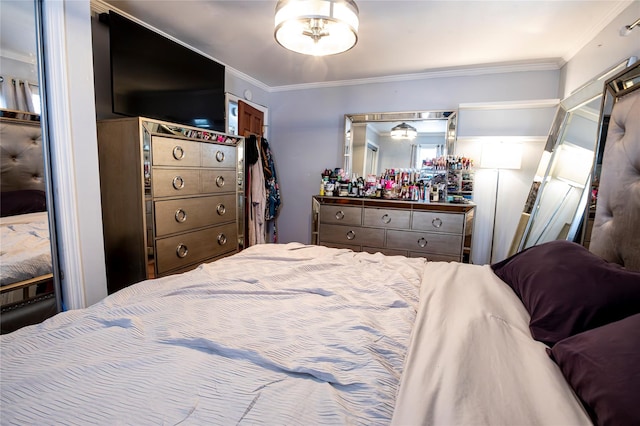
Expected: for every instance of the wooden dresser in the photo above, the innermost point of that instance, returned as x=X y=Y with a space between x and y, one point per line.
x=171 y=197
x=437 y=231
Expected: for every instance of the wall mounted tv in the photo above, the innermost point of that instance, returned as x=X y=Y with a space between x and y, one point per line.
x=155 y=77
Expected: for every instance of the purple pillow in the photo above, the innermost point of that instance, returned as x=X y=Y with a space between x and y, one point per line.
x=603 y=368
x=567 y=289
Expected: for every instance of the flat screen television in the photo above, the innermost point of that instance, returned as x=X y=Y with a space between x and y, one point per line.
x=155 y=77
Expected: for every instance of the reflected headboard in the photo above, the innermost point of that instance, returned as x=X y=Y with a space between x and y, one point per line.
x=22 y=181
x=616 y=229
x=21 y=161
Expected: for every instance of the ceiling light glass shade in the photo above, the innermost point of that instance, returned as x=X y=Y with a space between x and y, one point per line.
x=316 y=27
x=404 y=131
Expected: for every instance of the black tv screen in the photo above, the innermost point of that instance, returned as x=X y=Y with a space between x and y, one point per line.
x=155 y=77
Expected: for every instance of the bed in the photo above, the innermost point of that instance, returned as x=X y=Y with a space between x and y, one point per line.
x=300 y=334
x=26 y=273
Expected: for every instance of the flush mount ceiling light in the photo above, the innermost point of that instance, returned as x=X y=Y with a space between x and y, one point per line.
x=404 y=131
x=316 y=27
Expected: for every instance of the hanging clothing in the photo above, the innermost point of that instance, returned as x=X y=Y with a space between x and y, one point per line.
x=270 y=181
x=257 y=195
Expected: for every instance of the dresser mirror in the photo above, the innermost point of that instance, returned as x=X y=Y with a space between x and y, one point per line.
x=370 y=147
x=30 y=280
x=561 y=188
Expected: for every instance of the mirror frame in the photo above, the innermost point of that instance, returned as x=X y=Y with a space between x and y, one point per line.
x=583 y=95
x=451 y=116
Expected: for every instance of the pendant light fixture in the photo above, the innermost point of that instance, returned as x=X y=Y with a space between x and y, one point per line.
x=316 y=27
x=404 y=131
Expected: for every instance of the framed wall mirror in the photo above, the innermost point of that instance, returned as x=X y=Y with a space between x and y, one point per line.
x=30 y=280
x=561 y=189
x=396 y=140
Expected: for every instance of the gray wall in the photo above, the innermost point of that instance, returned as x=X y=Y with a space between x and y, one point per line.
x=307 y=127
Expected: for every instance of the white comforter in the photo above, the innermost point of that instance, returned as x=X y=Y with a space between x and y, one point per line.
x=472 y=360
x=277 y=334
x=292 y=334
x=25 y=250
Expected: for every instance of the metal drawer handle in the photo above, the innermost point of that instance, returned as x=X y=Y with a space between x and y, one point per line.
x=178 y=182
x=351 y=235
x=219 y=156
x=178 y=152
x=386 y=218
x=182 y=251
x=437 y=222
x=181 y=215
x=220 y=181
x=221 y=209
x=340 y=215
x=422 y=242
x=222 y=239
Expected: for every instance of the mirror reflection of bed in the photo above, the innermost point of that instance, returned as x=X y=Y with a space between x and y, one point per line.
x=26 y=272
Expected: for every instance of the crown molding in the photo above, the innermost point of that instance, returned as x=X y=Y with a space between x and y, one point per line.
x=508 y=105
x=547 y=65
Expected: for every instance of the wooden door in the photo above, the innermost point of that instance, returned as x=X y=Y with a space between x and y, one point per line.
x=250 y=120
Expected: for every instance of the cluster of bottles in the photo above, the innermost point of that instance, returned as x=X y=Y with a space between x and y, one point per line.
x=449 y=162
x=401 y=184
x=459 y=163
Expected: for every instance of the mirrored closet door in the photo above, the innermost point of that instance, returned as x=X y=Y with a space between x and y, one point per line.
x=29 y=288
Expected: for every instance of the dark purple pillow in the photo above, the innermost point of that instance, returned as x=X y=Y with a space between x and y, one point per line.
x=567 y=289
x=603 y=368
x=21 y=202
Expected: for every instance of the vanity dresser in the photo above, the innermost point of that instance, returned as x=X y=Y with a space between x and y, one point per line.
x=171 y=197
x=437 y=231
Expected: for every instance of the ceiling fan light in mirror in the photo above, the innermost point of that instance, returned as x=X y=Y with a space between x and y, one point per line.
x=316 y=27
x=403 y=131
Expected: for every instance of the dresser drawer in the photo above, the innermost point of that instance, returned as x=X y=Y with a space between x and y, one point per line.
x=438 y=222
x=424 y=242
x=342 y=215
x=175 y=152
x=185 y=214
x=214 y=155
x=387 y=218
x=191 y=247
x=175 y=182
x=352 y=235
x=215 y=181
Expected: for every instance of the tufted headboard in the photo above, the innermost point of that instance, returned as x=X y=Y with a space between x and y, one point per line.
x=21 y=162
x=22 y=180
x=616 y=229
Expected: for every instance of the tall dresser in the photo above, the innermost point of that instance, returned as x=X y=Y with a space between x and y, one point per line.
x=171 y=197
x=437 y=231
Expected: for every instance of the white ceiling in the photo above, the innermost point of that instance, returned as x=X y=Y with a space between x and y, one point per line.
x=396 y=38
